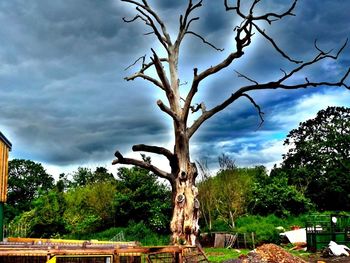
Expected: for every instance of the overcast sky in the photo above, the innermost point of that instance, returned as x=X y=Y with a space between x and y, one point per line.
x=64 y=102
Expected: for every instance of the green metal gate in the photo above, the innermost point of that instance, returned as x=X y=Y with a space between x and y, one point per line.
x=321 y=229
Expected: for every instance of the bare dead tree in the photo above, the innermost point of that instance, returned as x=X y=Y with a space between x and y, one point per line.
x=184 y=224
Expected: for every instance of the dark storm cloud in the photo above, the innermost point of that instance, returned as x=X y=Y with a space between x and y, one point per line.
x=63 y=97
x=64 y=100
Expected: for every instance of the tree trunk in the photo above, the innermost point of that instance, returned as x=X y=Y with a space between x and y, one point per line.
x=184 y=223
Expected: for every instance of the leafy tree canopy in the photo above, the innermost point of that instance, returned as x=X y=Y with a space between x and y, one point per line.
x=318 y=161
x=273 y=195
x=141 y=197
x=84 y=176
x=26 y=180
x=225 y=196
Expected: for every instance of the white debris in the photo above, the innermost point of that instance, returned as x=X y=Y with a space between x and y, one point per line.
x=338 y=250
x=296 y=236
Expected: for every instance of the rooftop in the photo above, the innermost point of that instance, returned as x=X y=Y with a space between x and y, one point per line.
x=5 y=140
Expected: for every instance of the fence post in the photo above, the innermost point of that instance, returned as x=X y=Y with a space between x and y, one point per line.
x=253 y=240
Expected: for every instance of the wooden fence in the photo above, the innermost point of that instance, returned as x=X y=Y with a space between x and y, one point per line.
x=70 y=251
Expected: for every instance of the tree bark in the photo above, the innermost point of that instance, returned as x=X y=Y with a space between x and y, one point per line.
x=184 y=224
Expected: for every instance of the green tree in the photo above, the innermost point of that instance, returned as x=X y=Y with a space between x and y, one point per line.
x=225 y=197
x=273 y=195
x=101 y=174
x=47 y=219
x=26 y=180
x=140 y=197
x=62 y=183
x=318 y=161
x=84 y=176
x=90 y=207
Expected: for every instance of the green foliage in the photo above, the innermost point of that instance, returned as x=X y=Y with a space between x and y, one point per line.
x=93 y=202
x=146 y=236
x=81 y=177
x=62 y=183
x=225 y=196
x=24 y=220
x=84 y=176
x=265 y=227
x=90 y=207
x=48 y=211
x=219 y=225
x=133 y=232
x=141 y=197
x=272 y=194
x=26 y=180
x=318 y=162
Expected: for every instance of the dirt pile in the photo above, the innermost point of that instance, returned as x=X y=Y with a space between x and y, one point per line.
x=268 y=253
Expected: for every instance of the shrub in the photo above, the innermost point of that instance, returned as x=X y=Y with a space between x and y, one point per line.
x=263 y=227
x=143 y=234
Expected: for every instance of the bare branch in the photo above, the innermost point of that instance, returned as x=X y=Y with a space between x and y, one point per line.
x=284 y=72
x=150 y=17
x=204 y=41
x=134 y=19
x=235 y=8
x=121 y=160
x=271 y=17
x=240 y=75
x=183 y=18
x=160 y=71
x=320 y=50
x=153 y=149
x=206 y=115
x=141 y=73
x=190 y=22
x=145 y=77
x=183 y=83
x=240 y=42
x=257 y=107
x=147 y=66
x=342 y=81
x=275 y=45
x=184 y=23
x=253 y=6
x=274 y=85
x=167 y=110
x=159 y=21
x=137 y=60
x=317 y=58
x=162 y=39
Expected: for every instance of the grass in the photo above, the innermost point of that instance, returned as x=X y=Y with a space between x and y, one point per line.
x=217 y=255
x=301 y=254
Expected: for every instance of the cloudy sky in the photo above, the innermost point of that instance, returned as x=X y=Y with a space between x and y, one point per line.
x=64 y=102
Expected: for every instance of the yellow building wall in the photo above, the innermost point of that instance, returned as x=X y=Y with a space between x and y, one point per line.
x=4 y=154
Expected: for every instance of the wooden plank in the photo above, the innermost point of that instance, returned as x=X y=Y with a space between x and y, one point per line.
x=219 y=240
x=6 y=175
x=3 y=162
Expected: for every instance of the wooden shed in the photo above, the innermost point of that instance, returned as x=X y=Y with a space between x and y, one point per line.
x=5 y=147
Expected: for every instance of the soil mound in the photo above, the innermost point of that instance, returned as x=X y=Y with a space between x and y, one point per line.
x=268 y=253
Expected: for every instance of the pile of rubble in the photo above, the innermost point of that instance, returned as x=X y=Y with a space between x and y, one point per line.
x=268 y=253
